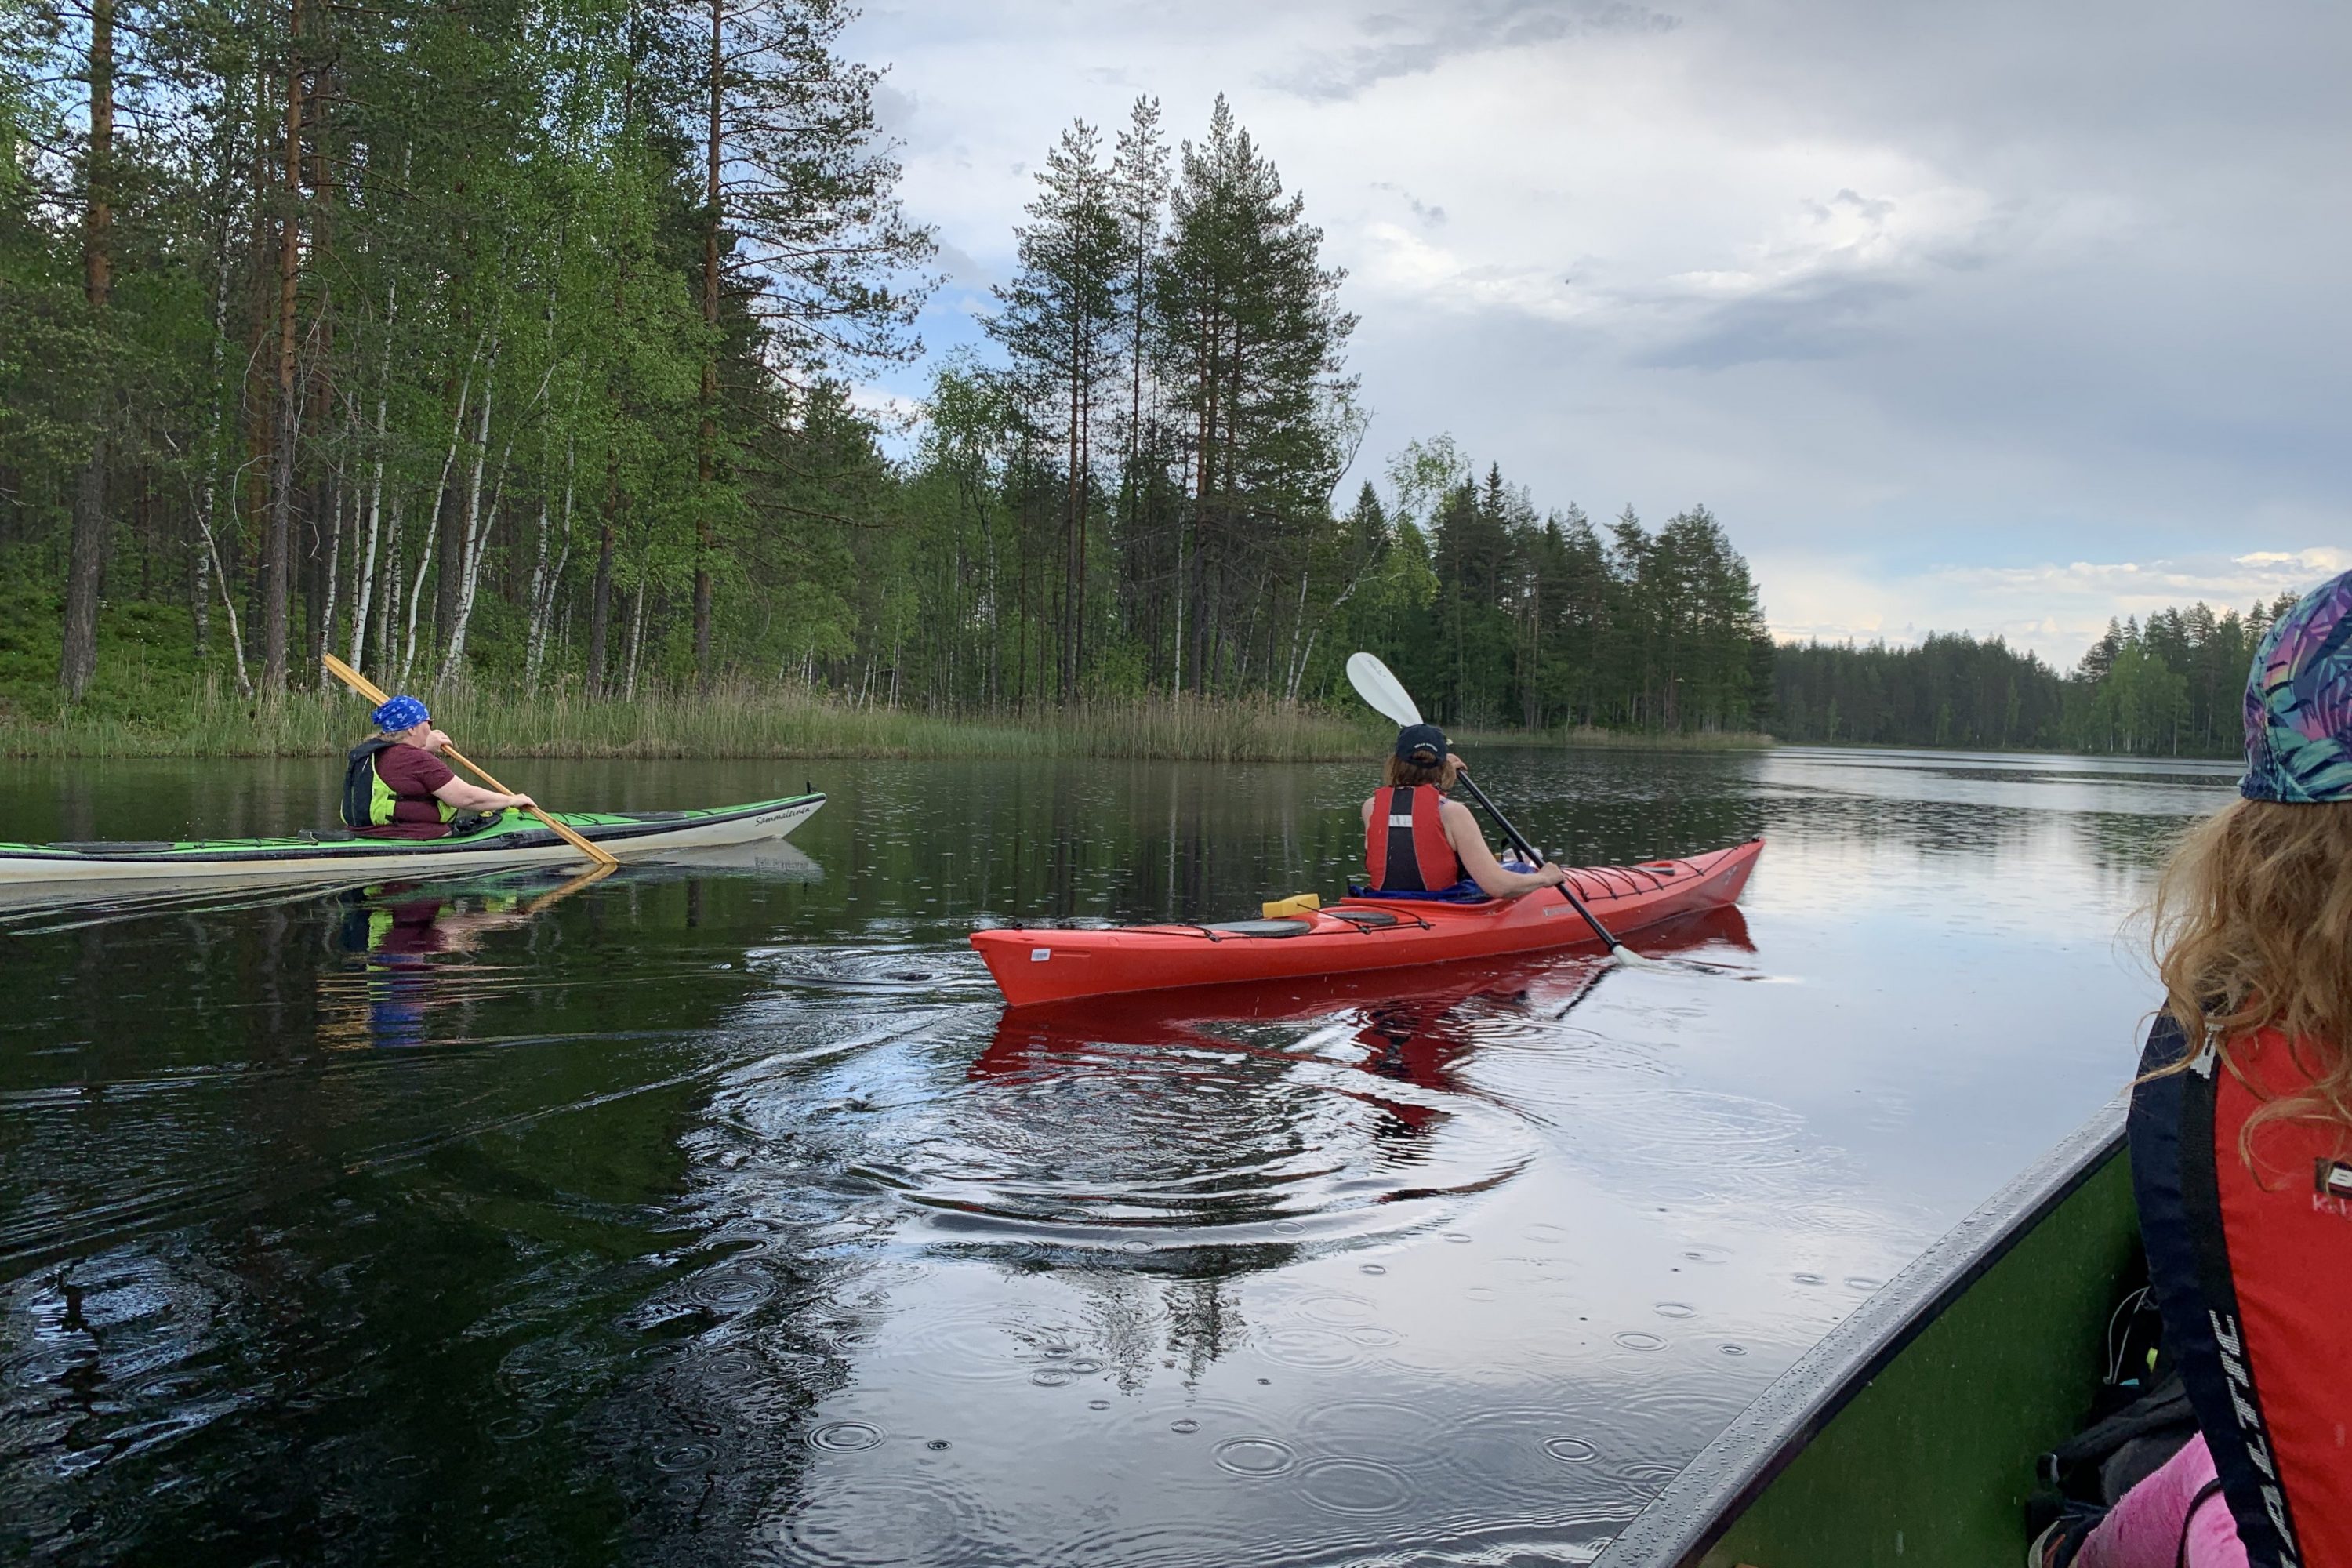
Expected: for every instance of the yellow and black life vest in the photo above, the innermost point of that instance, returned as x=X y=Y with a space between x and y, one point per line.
x=368 y=801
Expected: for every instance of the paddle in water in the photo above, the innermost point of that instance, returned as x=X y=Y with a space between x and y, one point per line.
x=1378 y=685
x=374 y=694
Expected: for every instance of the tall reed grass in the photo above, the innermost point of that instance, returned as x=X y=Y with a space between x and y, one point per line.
x=727 y=721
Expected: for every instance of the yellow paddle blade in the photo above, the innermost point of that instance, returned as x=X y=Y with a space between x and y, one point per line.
x=1296 y=904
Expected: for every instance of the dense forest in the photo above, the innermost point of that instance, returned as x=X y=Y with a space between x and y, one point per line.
x=513 y=342
x=2171 y=687
x=511 y=345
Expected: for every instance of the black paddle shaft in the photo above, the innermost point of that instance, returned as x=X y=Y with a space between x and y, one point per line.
x=1535 y=857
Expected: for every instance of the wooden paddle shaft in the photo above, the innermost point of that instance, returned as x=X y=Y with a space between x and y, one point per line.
x=374 y=694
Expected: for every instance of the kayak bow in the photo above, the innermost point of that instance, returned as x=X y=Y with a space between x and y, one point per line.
x=1033 y=965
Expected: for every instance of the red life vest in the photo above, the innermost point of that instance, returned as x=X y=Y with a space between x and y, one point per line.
x=2252 y=1268
x=1405 y=847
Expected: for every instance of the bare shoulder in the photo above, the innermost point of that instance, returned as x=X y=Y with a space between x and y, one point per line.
x=1453 y=812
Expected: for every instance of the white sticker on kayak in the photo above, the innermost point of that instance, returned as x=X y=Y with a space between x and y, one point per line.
x=1040 y=955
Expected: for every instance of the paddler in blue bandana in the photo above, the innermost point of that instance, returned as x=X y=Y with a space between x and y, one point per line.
x=397 y=786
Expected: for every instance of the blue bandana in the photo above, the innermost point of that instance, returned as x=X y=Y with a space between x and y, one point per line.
x=2299 y=702
x=399 y=713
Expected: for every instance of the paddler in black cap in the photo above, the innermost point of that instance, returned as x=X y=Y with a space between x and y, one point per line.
x=1420 y=844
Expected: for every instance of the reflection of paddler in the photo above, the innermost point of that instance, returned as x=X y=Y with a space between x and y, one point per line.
x=1416 y=1040
x=400 y=938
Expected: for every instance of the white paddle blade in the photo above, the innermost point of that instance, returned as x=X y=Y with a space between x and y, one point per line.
x=1375 y=684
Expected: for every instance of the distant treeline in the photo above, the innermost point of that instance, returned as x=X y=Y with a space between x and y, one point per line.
x=2171 y=687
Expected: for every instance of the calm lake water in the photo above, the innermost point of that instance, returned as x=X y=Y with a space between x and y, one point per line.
x=718 y=1212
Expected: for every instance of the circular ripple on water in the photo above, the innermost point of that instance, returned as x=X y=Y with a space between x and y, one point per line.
x=1305 y=1345
x=684 y=1456
x=1337 y=1311
x=844 y=1436
x=1675 y=1309
x=1086 y=1144
x=1254 y=1456
x=861 y=1520
x=729 y=1290
x=1635 y=1339
x=1401 y=1431
x=1354 y=1486
x=1515 y=1453
x=1650 y=1476
x=966 y=1344
x=1182 y=1544
x=1646 y=1125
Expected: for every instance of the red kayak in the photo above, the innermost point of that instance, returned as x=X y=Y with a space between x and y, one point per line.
x=1357 y=934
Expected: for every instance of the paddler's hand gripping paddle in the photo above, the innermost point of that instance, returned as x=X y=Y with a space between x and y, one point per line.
x=1377 y=685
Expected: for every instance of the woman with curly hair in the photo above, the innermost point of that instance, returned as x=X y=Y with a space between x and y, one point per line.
x=2240 y=1133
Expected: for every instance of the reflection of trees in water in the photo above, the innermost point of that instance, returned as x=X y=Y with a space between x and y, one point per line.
x=2118 y=841
x=264 y=1295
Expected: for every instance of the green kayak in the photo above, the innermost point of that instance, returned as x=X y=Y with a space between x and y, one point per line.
x=510 y=839
x=1908 y=1436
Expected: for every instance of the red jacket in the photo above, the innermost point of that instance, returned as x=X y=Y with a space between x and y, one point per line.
x=2252 y=1266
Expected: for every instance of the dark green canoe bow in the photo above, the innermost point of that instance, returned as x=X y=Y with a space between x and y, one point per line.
x=1907 y=1438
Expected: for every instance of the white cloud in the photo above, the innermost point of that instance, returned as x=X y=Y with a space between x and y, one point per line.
x=895 y=411
x=2057 y=609
x=1903 y=293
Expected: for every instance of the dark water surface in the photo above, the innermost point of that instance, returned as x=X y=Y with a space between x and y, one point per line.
x=716 y=1213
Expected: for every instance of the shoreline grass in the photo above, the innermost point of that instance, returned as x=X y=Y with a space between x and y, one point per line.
x=735 y=721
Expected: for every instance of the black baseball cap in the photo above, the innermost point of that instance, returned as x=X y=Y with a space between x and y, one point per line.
x=1423 y=745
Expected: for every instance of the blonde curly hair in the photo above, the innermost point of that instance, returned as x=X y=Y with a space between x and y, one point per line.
x=2251 y=930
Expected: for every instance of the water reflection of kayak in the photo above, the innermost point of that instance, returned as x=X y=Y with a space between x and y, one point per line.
x=1911 y=1431
x=1353 y=936
x=1411 y=1027
x=512 y=838
x=1547 y=983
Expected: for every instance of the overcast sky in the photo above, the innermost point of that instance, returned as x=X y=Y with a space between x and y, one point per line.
x=1997 y=316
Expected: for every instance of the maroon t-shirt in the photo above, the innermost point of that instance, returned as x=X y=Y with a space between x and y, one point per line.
x=413 y=775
